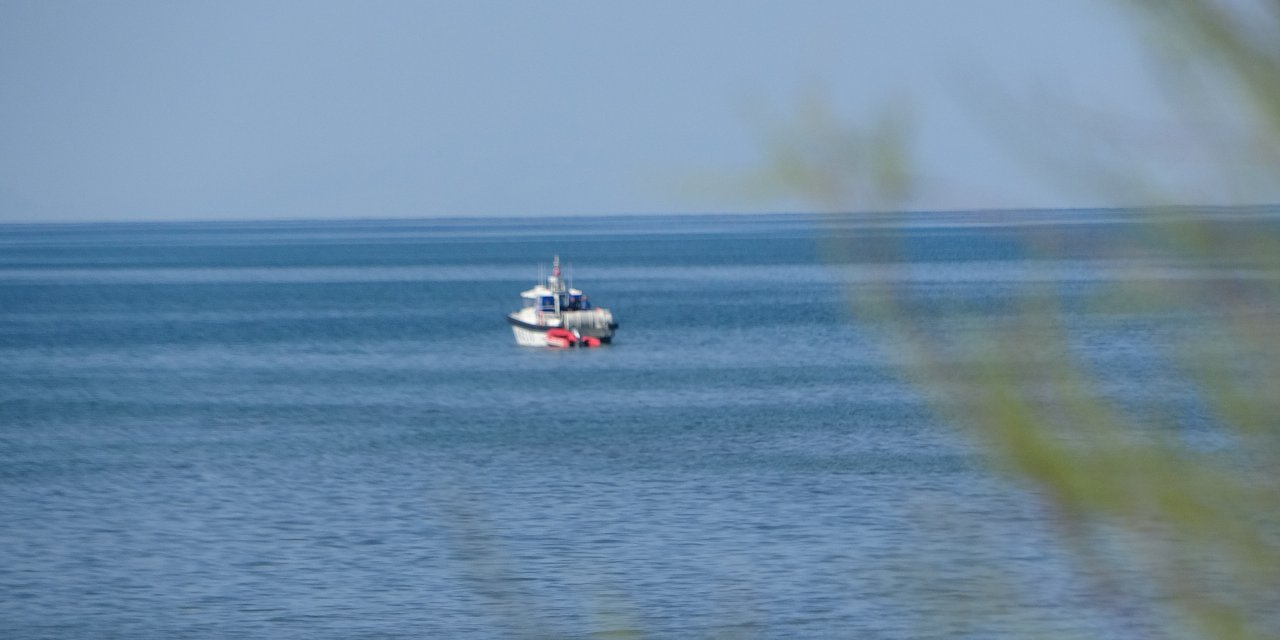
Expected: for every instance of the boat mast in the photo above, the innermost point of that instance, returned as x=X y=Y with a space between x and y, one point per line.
x=554 y=281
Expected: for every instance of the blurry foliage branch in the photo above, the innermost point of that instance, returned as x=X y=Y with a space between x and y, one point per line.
x=832 y=162
x=1190 y=531
x=1234 y=41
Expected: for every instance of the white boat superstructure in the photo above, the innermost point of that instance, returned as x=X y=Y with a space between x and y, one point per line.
x=557 y=315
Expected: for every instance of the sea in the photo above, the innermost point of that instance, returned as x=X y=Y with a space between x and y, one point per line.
x=325 y=429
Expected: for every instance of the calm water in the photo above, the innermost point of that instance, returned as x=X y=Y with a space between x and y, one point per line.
x=326 y=430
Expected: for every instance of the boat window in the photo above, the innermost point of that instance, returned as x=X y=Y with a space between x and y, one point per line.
x=548 y=303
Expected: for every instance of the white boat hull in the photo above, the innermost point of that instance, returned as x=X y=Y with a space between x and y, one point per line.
x=530 y=331
x=528 y=338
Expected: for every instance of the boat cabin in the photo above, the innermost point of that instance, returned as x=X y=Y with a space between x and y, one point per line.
x=547 y=301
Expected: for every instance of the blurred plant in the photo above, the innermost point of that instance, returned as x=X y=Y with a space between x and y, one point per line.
x=1184 y=530
x=833 y=162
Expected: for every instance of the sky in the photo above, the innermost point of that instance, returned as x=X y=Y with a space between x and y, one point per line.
x=262 y=109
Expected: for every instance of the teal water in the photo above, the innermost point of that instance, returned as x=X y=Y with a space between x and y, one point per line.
x=326 y=430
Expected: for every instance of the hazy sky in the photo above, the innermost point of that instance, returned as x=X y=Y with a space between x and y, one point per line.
x=379 y=108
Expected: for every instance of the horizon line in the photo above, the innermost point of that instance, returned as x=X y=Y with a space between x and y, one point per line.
x=1182 y=208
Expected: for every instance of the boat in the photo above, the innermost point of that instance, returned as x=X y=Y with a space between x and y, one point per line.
x=557 y=315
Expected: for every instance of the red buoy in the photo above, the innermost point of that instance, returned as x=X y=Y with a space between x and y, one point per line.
x=560 y=338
